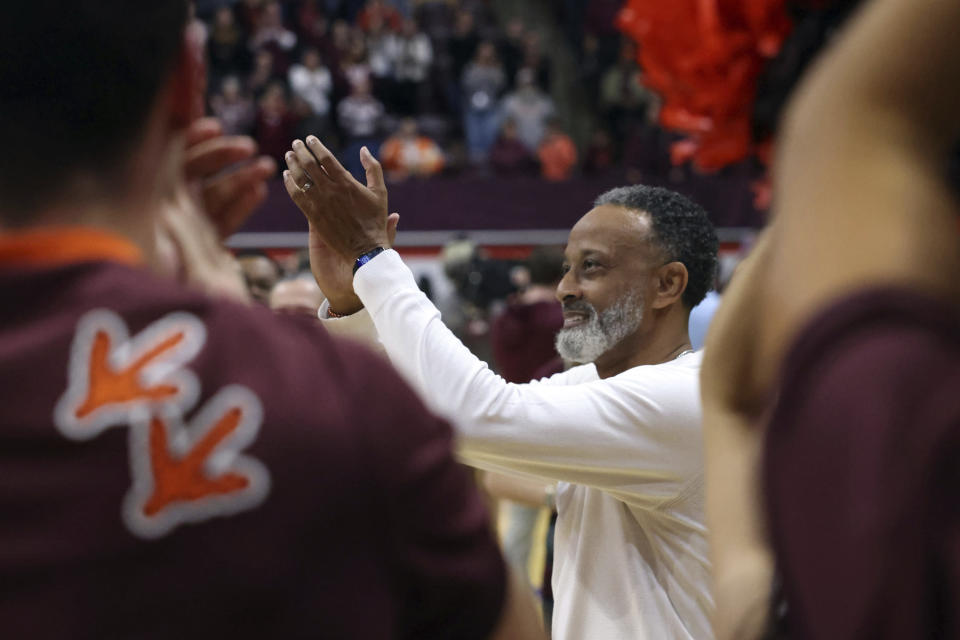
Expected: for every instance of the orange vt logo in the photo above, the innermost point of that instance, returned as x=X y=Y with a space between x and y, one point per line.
x=181 y=472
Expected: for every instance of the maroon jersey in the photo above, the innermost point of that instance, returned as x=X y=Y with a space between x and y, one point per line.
x=861 y=471
x=172 y=466
x=523 y=338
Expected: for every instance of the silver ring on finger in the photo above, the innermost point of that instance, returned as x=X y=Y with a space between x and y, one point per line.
x=306 y=186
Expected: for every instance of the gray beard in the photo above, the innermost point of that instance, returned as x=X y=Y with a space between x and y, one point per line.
x=588 y=341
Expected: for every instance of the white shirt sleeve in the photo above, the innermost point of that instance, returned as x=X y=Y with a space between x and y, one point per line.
x=635 y=435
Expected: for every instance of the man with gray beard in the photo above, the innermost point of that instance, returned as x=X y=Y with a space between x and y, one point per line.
x=620 y=434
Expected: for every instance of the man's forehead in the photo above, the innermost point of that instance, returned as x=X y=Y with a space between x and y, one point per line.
x=608 y=228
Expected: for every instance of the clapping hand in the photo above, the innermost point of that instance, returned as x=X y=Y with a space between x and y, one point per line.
x=346 y=218
x=220 y=185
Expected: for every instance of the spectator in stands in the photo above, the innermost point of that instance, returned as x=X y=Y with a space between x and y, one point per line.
x=260 y=273
x=312 y=81
x=558 y=154
x=623 y=98
x=359 y=115
x=509 y=156
x=599 y=156
x=299 y=295
x=414 y=56
x=226 y=46
x=355 y=65
x=534 y=59
x=483 y=81
x=270 y=31
x=275 y=124
x=512 y=49
x=312 y=22
x=461 y=48
x=407 y=153
x=263 y=73
x=233 y=108
x=530 y=108
x=379 y=12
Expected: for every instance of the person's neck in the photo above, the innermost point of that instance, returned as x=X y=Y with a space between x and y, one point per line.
x=664 y=341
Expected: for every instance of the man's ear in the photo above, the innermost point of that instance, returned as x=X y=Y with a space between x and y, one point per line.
x=188 y=82
x=671 y=282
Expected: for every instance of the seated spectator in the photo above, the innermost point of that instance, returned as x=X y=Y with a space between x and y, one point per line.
x=379 y=12
x=233 y=108
x=297 y=296
x=406 y=153
x=355 y=64
x=512 y=49
x=359 y=116
x=558 y=155
x=270 y=31
x=461 y=47
x=226 y=50
x=533 y=59
x=509 y=156
x=275 y=124
x=414 y=55
x=311 y=81
x=483 y=81
x=623 y=98
x=600 y=154
x=529 y=108
x=264 y=72
x=381 y=43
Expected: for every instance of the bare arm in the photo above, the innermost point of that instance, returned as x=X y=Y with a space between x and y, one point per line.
x=860 y=202
x=860 y=195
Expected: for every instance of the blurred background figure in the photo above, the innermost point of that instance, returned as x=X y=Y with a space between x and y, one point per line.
x=260 y=272
x=509 y=155
x=359 y=116
x=233 y=107
x=311 y=81
x=299 y=295
x=276 y=123
x=408 y=153
x=414 y=56
x=483 y=82
x=557 y=153
x=530 y=108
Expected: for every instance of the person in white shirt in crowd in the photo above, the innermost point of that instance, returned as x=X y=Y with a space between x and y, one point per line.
x=414 y=55
x=312 y=81
x=359 y=115
x=621 y=433
x=530 y=108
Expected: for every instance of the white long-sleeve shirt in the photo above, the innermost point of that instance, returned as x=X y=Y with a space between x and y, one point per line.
x=630 y=551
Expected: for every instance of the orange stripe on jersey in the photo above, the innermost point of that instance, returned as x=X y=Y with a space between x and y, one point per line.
x=65 y=245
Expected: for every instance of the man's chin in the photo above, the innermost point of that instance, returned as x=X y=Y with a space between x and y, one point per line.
x=579 y=344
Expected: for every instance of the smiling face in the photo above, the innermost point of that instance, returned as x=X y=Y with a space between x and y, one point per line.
x=610 y=275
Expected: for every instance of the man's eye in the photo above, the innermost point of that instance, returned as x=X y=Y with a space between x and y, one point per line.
x=590 y=264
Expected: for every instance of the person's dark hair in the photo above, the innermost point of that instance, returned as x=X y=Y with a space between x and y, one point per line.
x=77 y=81
x=680 y=227
x=545 y=265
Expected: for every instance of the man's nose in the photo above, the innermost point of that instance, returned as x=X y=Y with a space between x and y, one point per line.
x=568 y=290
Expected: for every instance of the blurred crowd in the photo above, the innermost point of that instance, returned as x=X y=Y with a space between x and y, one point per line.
x=434 y=85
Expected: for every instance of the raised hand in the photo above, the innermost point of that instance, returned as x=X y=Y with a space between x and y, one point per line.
x=220 y=186
x=349 y=217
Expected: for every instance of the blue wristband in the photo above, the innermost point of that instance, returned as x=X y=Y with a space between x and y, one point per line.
x=367 y=257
